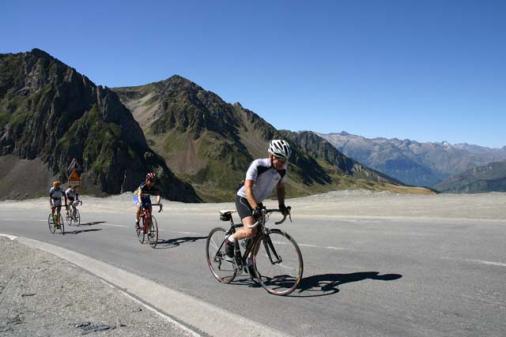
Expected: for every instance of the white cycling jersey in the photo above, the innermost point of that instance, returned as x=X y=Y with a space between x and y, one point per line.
x=265 y=176
x=56 y=194
x=70 y=193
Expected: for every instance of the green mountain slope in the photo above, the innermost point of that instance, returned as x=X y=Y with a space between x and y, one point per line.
x=49 y=114
x=210 y=143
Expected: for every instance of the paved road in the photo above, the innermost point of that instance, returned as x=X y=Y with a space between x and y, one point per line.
x=363 y=276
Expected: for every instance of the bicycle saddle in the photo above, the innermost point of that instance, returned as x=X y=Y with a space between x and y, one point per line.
x=226 y=215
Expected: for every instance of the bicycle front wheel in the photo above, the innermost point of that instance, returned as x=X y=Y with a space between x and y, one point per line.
x=153 y=232
x=50 y=223
x=278 y=263
x=60 y=220
x=224 y=271
x=139 y=229
x=77 y=217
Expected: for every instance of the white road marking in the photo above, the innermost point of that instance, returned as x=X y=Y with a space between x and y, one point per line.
x=311 y=246
x=8 y=236
x=194 y=312
x=308 y=245
x=336 y=248
x=490 y=263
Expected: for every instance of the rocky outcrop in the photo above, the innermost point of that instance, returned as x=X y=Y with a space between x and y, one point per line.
x=50 y=111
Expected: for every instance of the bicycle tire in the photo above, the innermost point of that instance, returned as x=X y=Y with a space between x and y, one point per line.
x=50 y=223
x=153 y=232
x=222 y=270
x=68 y=217
x=278 y=264
x=77 y=218
x=139 y=229
x=62 y=223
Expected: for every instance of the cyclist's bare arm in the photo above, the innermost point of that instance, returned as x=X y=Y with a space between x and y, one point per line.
x=280 y=189
x=248 y=189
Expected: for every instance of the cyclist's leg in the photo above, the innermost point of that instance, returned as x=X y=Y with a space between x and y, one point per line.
x=71 y=203
x=245 y=232
x=58 y=215
x=138 y=214
x=246 y=214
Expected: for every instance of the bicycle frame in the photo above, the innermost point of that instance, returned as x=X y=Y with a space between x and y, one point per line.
x=252 y=245
x=147 y=217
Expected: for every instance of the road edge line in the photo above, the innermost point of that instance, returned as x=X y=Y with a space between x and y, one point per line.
x=184 y=309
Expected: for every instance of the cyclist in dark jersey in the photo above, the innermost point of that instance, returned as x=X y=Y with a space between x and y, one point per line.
x=142 y=195
x=261 y=178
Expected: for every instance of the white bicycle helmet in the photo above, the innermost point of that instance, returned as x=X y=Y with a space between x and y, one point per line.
x=280 y=148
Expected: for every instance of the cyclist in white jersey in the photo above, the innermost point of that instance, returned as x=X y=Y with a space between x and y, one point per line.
x=261 y=178
x=55 y=198
x=72 y=197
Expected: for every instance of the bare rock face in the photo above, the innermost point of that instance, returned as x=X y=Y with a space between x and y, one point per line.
x=50 y=111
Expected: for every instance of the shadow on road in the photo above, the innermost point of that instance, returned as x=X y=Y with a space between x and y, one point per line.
x=79 y=231
x=172 y=243
x=327 y=284
x=92 y=223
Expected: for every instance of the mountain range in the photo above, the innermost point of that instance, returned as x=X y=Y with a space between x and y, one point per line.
x=210 y=143
x=199 y=145
x=411 y=162
x=486 y=178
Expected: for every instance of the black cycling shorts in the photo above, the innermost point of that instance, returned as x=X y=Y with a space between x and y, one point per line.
x=243 y=207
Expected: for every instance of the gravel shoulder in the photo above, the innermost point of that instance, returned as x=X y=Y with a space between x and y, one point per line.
x=41 y=295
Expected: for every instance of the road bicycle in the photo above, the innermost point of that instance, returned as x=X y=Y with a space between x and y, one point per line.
x=72 y=215
x=55 y=222
x=272 y=257
x=148 y=226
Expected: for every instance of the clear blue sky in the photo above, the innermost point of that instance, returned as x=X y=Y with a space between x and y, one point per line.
x=419 y=69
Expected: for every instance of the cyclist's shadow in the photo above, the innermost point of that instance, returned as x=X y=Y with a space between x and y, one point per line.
x=327 y=284
x=173 y=243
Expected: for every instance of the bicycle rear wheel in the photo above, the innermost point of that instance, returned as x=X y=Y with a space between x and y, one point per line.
x=50 y=223
x=68 y=217
x=77 y=218
x=153 y=232
x=223 y=271
x=278 y=263
x=139 y=229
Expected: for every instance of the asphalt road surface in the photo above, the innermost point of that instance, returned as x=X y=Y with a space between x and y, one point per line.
x=428 y=273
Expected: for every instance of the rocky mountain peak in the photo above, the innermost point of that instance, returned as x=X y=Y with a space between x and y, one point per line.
x=51 y=112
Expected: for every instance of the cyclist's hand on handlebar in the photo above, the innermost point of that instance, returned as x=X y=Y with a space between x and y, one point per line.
x=284 y=210
x=257 y=212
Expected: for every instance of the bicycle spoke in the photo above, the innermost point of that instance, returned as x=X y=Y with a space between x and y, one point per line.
x=279 y=263
x=153 y=232
x=223 y=270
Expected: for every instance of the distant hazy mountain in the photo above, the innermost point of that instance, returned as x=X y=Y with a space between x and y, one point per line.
x=414 y=163
x=487 y=178
x=210 y=143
